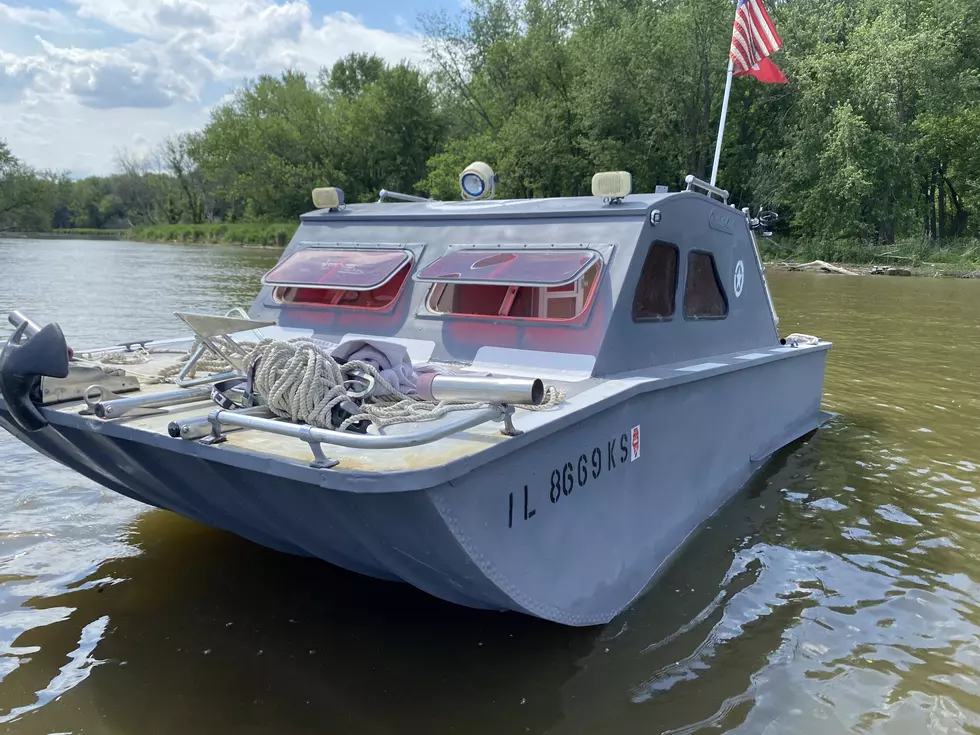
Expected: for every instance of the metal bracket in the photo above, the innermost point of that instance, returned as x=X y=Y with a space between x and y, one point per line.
x=96 y=394
x=216 y=436
x=508 y=418
x=320 y=460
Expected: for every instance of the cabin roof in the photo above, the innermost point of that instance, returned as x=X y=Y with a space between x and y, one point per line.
x=635 y=205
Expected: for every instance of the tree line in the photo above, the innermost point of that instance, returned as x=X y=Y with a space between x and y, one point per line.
x=873 y=138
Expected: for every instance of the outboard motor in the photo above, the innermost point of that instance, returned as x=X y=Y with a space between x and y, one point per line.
x=23 y=364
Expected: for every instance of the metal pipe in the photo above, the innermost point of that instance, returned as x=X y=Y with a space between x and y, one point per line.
x=209 y=379
x=385 y=194
x=200 y=427
x=694 y=182
x=121 y=406
x=17 y=317
x=314 y=435
x=515 y=391
x=127 y=346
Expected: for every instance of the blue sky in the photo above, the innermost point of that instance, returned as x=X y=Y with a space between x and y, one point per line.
x=82 y=80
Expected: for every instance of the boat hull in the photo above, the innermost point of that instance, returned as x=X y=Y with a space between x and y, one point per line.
x=570 y=528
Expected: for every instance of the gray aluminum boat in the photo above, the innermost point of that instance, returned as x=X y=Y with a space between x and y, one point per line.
x=649 y=314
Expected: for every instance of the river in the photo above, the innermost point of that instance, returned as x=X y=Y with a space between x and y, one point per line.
x=839 y=592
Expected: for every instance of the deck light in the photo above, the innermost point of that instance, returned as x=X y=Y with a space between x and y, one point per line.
x=478 y=181
x=612 y=185
x=328 y=197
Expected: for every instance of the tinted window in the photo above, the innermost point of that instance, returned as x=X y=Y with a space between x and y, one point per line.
x=657 y=289
x=511 y=301
x=703 y=295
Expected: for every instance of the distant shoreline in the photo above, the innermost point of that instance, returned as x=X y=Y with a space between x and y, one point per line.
x=904 y=259
x=248 y=235
x=932 y=270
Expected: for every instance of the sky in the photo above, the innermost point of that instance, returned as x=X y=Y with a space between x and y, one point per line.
x=81 y=80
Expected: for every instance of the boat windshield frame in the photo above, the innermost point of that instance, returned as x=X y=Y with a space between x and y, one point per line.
x=602 y=254
x=457 y=255
x=407 y=258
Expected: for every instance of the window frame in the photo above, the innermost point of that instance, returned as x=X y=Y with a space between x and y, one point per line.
x=718 y=281
x=677 y=280
x=594 y=259
x=412 y=250
x=408 y=259
x=435 y=289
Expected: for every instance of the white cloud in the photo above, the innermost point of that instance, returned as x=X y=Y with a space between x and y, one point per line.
x=67 y=106
x=48 y=19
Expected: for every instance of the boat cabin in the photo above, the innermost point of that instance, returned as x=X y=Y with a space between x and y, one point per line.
x=579 y=286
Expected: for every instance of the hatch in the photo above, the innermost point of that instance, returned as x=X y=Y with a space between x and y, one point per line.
x=342 y=277
x=540 y=283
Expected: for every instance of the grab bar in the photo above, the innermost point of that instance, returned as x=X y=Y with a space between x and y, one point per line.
x=694 y=182
x=315 y=437
x=385 y=194
x=200 y=426
x=114 y=409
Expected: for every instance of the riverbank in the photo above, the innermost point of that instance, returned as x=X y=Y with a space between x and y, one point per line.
x=245 y=234
x=903 y=258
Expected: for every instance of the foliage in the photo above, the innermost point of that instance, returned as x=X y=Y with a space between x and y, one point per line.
x=872 y=141
x=267 y=235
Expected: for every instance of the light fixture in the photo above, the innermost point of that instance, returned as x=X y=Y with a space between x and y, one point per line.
x=612 y=185
x=478 y=181
x=328 y=197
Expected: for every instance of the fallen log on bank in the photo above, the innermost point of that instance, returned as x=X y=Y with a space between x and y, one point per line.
x=820 y=265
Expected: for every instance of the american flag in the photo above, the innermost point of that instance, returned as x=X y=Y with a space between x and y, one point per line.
x=754 y=40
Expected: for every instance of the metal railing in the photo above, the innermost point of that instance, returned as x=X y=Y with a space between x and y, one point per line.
x=385 y=194
x=695 y=183
x=315 y=437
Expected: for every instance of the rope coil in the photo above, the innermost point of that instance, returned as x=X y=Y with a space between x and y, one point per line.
x=301 y=381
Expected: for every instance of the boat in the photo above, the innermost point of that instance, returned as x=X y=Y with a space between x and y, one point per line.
x=516 y=405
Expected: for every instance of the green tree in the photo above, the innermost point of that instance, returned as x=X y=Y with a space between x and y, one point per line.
x=26 y=199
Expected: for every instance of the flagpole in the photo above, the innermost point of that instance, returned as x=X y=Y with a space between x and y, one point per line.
x=721 y=125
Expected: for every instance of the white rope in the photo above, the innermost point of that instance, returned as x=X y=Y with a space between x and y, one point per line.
x=301 y=381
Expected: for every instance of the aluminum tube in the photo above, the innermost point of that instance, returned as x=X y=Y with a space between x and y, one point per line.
x=692 y=182
x=152 y=344
x=200 y=427
x=477 y=389
x=122 y=406
x=385 y=194
x=357 y=441
x=209 y=379
x=18 y=317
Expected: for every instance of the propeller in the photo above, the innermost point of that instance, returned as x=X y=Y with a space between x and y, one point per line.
x=23 y=364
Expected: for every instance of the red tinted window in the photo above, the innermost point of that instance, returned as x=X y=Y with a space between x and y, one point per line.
x=510 y=268
x=547 y=303
x=353 y=270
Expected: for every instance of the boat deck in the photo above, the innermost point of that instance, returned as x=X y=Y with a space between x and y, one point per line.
x=434 y=454
x=581 y=395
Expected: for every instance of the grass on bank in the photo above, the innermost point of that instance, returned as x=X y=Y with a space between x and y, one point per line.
x=268 y=235
x=954 y=255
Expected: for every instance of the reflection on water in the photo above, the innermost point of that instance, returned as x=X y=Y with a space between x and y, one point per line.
x=837 y=593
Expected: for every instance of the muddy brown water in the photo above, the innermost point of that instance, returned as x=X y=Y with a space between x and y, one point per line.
x=839 y=592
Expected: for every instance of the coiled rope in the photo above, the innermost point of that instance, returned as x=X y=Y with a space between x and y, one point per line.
x=301 y=381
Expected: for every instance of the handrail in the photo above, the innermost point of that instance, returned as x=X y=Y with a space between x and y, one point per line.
x=199 y=427
x=694 y=182
x=315 y=436
x=402 y=197
x=114 y=409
